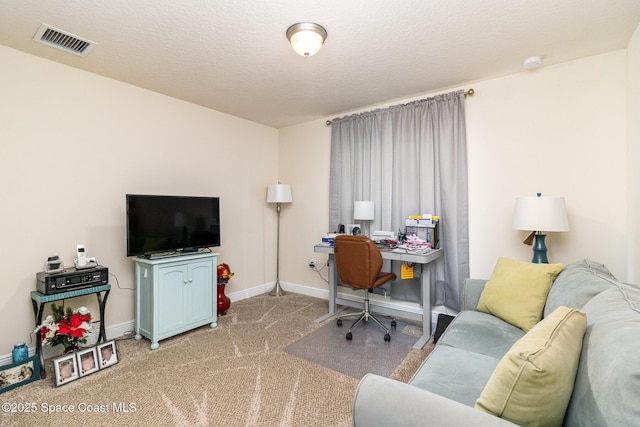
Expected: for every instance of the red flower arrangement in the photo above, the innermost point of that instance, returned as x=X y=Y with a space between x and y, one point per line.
x=68 y=328
x=224 y=273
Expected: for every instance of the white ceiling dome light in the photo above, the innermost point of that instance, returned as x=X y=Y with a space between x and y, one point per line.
x=306 y=38
x=532 y=61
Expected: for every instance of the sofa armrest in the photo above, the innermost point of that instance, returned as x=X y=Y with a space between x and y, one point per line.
x=383 y=402
x=471 y=290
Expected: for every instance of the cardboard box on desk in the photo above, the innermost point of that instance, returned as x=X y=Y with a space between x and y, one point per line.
x=328 y=240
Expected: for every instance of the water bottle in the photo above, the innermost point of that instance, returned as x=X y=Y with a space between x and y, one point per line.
x=20 y=352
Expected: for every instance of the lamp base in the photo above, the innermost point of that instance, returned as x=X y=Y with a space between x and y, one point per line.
x=540 y=250
x=277 y=290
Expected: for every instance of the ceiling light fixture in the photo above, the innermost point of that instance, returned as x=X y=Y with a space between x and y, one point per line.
x=306 y=38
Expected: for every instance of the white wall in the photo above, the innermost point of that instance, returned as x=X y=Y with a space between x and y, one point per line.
x=304 y=163
x=633 y=50
x=72 y=144
x=560 y=130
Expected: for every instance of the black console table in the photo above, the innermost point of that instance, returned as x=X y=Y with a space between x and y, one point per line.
x=39 y=300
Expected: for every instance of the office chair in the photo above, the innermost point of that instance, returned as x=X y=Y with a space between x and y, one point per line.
x=359 y=262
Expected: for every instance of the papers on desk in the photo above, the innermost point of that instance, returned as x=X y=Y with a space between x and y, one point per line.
x=413 y=249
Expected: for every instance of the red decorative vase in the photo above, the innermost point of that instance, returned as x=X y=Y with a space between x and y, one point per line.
x=69 y=350
x=223 y=301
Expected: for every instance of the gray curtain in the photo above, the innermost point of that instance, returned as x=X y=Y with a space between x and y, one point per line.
x=408 y=159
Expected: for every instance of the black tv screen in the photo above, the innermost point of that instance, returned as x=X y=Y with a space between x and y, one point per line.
x=171 y=223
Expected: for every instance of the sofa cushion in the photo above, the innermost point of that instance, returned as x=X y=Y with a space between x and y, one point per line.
x=533 y=382
x=481 y=333
x=517 y=291
x=455 y=373
x=471 y=291
x=608 y=380
x=577 y=284
x=466 y=356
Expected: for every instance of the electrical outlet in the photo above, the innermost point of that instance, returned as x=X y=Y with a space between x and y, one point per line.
x=312 y=263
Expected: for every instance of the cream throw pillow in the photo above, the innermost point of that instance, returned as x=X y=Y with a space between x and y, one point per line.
x=533 y=382
x=517 y=291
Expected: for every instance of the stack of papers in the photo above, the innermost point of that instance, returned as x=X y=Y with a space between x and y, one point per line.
x=413 y=249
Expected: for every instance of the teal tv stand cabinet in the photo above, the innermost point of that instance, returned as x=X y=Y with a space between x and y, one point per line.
x=174 y=295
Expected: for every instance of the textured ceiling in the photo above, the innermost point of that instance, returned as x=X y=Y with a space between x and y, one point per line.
x=233 y=56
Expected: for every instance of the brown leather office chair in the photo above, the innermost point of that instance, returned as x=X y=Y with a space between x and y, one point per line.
x=359 y=262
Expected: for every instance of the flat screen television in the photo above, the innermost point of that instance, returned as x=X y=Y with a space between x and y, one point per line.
x=172 y=224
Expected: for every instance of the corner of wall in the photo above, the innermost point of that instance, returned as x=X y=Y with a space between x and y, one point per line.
x=633 y=157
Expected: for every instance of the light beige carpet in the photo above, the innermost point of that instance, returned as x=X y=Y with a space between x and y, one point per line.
x=234 y=375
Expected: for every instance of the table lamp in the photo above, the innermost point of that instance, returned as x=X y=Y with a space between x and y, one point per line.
x=363 y=211
x=278 y=193
x=539 y=214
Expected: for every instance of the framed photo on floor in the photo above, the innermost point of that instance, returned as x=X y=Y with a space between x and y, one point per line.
x=87 y=361
x=19 y=373
x=107 y=354
x=65 y=369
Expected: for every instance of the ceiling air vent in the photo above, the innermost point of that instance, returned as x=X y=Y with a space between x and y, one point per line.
x=63 y=40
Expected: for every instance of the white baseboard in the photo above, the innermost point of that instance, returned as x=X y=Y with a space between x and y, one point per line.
x=128 y=327
x=410 y=310
x=406 y=309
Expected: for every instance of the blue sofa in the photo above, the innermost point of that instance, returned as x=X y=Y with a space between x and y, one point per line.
x=443 y=391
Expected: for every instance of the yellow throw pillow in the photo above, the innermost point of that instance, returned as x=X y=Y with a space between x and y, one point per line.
x=517 y=291
x=533 y=382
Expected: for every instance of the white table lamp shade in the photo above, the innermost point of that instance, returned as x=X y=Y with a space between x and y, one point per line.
x=279 y=193
x=540 y=214
x=363 y=210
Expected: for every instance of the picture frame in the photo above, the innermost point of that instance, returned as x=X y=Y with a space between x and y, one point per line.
x=19 y=373
x=65 y=369
x=87 y=360
x=107 y=354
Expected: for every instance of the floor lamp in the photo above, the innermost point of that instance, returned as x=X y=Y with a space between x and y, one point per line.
x=540 y=214
x=278 y=194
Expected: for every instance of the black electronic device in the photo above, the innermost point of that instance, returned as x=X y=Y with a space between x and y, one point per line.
x=171 y=223
x=70 y=279
x=53 y=264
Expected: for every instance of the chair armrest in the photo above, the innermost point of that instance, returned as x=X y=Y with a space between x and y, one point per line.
x=471 y=290
x=383 y=402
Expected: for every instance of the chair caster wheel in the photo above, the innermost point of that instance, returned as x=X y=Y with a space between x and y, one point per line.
x=393 y=324
x=349 y=336
x=387 y=337
x=339 y=322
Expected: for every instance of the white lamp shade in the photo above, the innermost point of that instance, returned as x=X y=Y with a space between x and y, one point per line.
x=541 y=214
x=363 y=210
x=279 y=193
x=306 y=38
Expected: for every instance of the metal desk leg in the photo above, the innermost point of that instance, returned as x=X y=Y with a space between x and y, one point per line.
x=37 y=314
x=333 y=291
x=425 y=281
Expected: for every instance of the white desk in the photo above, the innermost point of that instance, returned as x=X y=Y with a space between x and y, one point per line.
x=421 y=268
